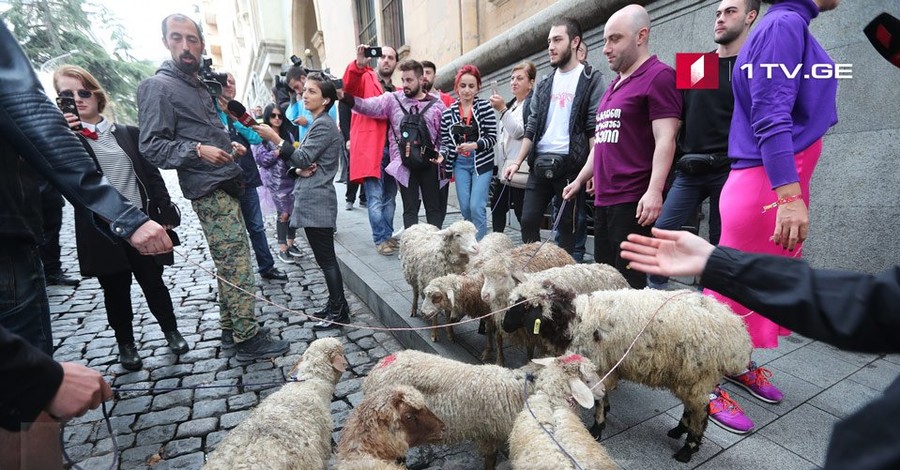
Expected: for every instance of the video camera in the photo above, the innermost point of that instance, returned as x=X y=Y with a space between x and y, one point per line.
x=213 y=81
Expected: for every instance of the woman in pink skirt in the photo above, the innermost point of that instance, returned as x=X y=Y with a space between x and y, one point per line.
x=775 y=142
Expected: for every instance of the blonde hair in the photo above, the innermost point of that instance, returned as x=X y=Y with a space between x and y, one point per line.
x=90 y=83
x=528 y=67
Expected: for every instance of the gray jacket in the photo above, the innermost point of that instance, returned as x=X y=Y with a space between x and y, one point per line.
x=315 y=201
x=176 y=112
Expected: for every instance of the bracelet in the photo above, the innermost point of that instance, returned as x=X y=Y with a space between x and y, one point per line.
x=198 y=149
x=781 y=202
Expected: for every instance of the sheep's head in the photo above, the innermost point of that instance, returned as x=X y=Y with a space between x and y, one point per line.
x=570 y=377
x=500 y=278
x=545 y=309
x=413 y=418
x=439 y=297
x=323 y=356
x=461 y=236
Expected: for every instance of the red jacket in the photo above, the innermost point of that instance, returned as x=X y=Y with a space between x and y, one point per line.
x=367 y=135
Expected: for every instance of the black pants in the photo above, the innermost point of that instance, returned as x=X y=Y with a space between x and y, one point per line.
x=49 y=247
x=117 y=295
x=352 y=189
x=612 y=224
x=321 y=240
x=505 y=197
x=539 y=191
x=427 y=181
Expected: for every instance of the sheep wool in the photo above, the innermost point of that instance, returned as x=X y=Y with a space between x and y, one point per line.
x=427 y=252
x=290 y=429
x=530 y=448
x=383 y=427
x=476 y=402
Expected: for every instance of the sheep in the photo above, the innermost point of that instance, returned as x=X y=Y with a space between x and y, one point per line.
x=455 y=296
x=476 y=402
x=580 y=278
x=383 y=427
x=427 y=252
x=499 y=270
x=292 y=427
x=492 y=244
x=692 y=342
x=548 y=411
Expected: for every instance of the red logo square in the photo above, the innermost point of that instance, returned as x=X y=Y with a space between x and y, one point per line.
x=696 y=71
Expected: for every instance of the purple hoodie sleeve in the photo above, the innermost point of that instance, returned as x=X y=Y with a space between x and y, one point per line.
x=772 y=99
x=378 y=107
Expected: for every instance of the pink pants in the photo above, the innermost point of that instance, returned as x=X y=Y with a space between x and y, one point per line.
x=746 y=228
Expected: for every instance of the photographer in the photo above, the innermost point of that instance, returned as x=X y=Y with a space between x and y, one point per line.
x=180 y=129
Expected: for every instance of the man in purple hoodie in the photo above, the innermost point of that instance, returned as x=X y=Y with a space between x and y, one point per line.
x=781 y=112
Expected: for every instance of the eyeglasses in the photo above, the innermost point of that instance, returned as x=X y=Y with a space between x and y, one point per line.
x=273 y=116
x=83 y=94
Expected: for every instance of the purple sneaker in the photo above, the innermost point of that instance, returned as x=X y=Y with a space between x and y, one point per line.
x=727 y=413
x=756 y=381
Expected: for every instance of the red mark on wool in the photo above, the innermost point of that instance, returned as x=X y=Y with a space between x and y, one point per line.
x=572 y=358
x=386 y=361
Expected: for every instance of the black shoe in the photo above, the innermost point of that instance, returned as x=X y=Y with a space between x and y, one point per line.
x=338 y=312
x=260 y=347
x=176 y=342
x=227 y=338
x=294 y=251
x=60 y=279
x=129 y=358
x=273 y=274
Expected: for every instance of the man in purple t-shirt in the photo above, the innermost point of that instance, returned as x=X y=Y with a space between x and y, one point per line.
x=637 y=120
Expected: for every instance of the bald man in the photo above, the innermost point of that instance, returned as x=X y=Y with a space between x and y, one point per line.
x=634 y=140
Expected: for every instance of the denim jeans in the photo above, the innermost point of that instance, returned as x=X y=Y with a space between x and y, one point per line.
x=381 y=195
x=472 y=192
x=580 y=229
x=254 y=222
x=24 y=308
x=686 y=193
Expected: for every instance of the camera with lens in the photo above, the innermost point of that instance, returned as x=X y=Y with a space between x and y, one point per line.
x=213 y=81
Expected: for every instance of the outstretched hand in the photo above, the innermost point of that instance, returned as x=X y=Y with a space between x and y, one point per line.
x=670 y=253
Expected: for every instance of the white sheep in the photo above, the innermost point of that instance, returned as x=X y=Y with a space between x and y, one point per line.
x=292 y=427
x=548 y=412
x=383 y=427
x=692 y=342
x=476 y=402
x=454 y=296
x=427 y=253
x=500 y=271
x=579 y=278
x=492 y=244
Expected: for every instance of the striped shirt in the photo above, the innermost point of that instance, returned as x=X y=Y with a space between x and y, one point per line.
x=114 y=163
x=484 y=119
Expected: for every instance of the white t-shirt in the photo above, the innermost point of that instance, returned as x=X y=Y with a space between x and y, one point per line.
x=556 y=138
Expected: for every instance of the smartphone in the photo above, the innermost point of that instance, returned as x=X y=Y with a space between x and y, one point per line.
x=338 y=84
x=494 y=90
x=67 y=105
x=373 y=52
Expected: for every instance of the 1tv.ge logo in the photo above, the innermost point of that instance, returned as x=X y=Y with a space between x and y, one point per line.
x=698 y=71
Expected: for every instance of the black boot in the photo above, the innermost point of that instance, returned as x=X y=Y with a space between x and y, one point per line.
x=336 y=312
x=129 y=357
x=176 y=342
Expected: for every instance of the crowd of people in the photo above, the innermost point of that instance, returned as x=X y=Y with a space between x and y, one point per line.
x=647 y=153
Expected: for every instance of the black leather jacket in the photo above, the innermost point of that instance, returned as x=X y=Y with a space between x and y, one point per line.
x=34 y=138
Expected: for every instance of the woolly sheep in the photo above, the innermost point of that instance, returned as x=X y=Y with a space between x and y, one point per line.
x=688 y=347
x=499 y=270
x=383 y=427
x=476 y=402
x=427 y=252
x=579 y=278
x=548 y=411
x=492 y=244
x=292 y=427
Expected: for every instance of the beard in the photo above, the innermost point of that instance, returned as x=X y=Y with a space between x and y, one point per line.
x=728 y=36
x=412 y=92
x=564 y=58
x=427 y=86
x=190 y=68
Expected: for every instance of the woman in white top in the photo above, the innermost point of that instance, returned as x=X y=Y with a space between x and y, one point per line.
x=513 y=117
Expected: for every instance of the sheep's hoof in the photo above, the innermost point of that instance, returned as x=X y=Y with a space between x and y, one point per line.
x=684 y=454
x=677 y=431
x=451 y=339
x=484 y=356
x=434 y=338
x=597 y=430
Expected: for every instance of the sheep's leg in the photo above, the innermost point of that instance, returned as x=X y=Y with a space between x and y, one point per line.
x=489 y=452
x=694 y=421
x=529 y=352
x=489 y=345
x=451 y=336
x=434 y=331
x=600 y=410
x=501 y=360
x=415 y=303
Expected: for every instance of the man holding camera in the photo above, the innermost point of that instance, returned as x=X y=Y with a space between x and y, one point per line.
x=369 y=151
x=558 y=135
x=636 y=123
x=180 y=129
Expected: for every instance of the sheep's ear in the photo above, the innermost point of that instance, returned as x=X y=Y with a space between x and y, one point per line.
x=581 y=392
x=451 y=297
x=543 y=361
x=339 y=362
x=518 y=277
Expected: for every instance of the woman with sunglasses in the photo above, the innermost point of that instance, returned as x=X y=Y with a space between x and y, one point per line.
x=275 y=177
x=115 y=150
x=468 y=134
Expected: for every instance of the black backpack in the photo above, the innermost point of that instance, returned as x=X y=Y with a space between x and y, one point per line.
x=414 y=142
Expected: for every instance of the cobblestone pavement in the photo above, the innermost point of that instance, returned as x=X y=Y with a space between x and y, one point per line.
x=176 y=429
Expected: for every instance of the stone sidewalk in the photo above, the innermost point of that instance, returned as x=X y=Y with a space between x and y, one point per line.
x=821 y=384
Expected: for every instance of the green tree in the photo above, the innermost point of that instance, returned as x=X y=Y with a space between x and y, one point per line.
x=50 y=28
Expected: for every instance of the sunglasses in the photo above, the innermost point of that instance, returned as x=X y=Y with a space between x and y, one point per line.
x=273 y=116
x=83 y=94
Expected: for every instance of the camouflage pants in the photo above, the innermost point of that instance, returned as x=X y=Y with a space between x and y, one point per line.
x=222 y=223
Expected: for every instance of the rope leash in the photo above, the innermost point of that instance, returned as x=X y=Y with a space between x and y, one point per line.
x=552 y=233
x=115 y=444
x=530 y=378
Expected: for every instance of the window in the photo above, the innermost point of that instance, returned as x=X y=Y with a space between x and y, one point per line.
x=365 y=12
x=392 y=15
